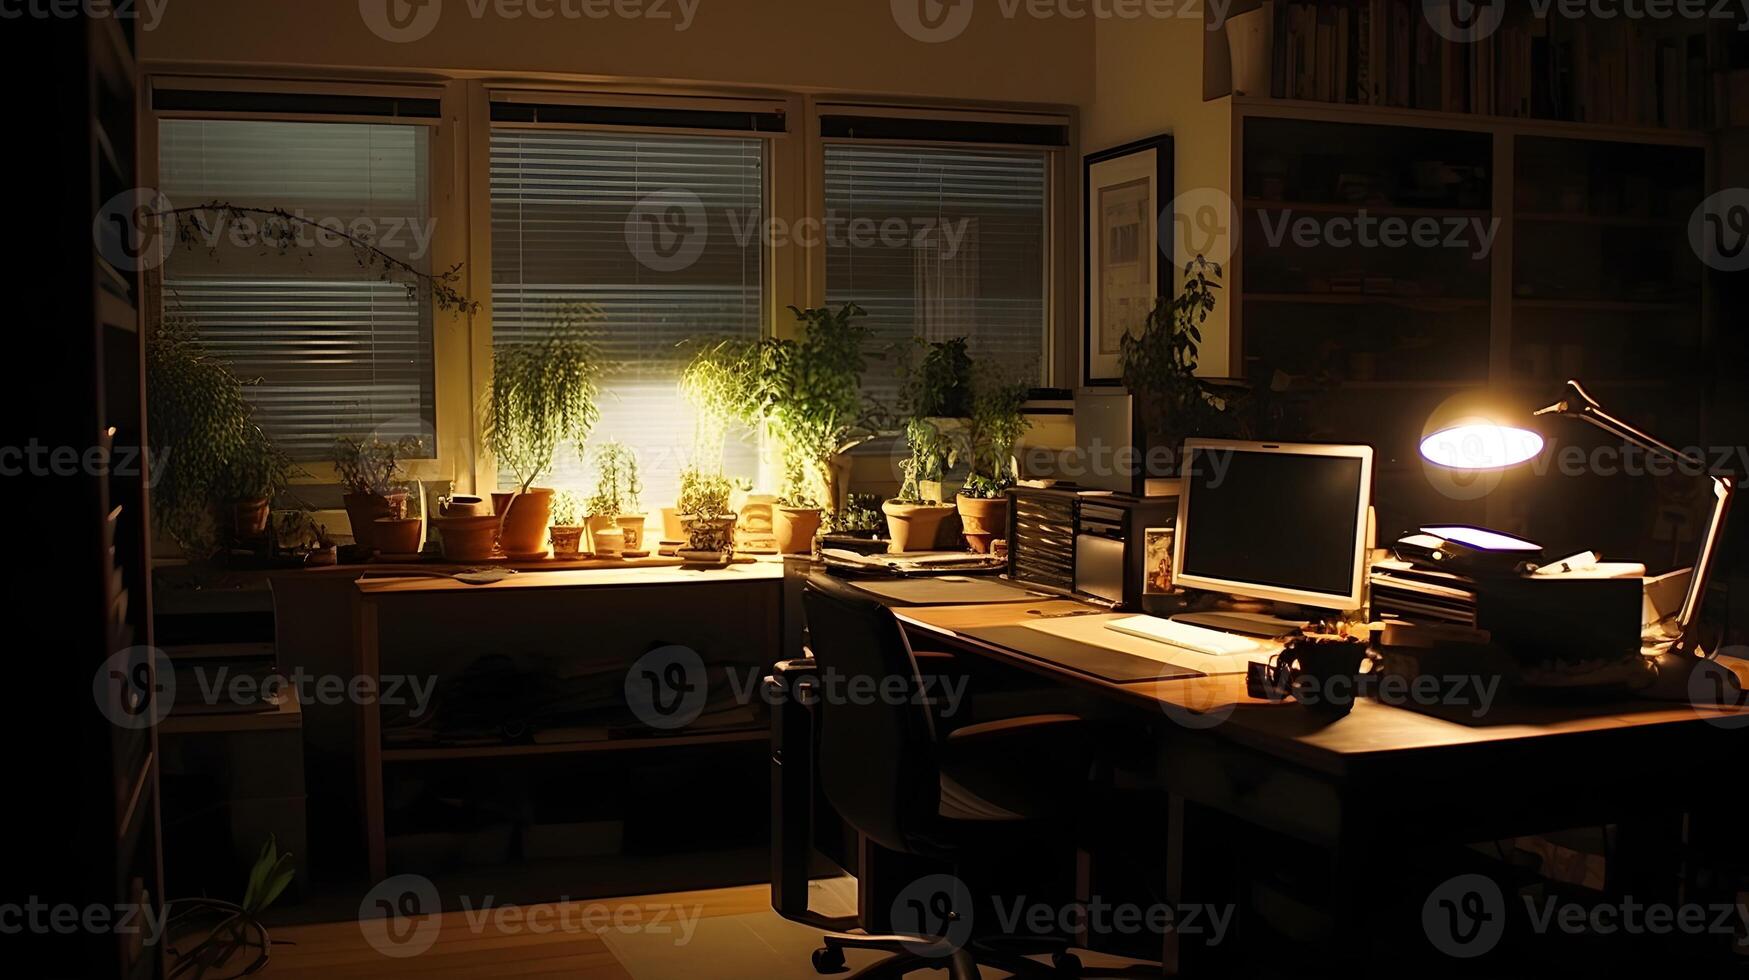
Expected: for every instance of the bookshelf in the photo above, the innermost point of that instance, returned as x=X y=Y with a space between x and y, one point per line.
x=94 y=841
x=1586 y=272
x=1512 y=63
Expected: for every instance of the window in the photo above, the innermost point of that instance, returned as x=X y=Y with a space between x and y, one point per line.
x=940 y=243
x=337 y=351
x=566 y=210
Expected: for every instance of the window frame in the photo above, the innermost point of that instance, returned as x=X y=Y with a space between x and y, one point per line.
x=451 y=395
x=1062 y=207
x=774 y=281
x=794 y=191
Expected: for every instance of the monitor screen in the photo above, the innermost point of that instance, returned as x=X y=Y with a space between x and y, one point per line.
x=1284 y=522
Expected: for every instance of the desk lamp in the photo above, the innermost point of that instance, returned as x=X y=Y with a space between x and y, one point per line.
x=1480 y=441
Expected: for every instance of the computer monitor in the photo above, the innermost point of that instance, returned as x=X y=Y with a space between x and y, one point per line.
x=1279 y=521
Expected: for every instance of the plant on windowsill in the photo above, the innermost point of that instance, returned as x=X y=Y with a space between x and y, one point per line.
x=255 y=474
x=914 y=523
x=543 y=395
x=202 y=427
x=809 y=395
x=706 y=516
x=568 y=524
x=617 y=489
x=998 y=420
x=369 y=471
x=402 y=537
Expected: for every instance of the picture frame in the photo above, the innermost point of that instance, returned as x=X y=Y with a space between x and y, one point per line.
x=1124 y=189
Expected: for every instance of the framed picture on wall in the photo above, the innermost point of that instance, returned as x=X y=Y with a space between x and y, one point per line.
x=1126 y=187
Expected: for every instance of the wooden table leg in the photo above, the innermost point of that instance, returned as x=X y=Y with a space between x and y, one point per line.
x=1196 y=877
x=367 y=663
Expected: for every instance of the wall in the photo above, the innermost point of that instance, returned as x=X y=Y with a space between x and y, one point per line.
x=1148 y=81
x=807 y=45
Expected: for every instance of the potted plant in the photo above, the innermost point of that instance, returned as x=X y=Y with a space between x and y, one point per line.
x=543 y=394
x=996 y=423
x=617 y=488
x=1159 y=366
x=567 y=527
x=368 y=470
x=200 y=422
x=708 y=520
x=256 y=472
x=809 y=396
x=914 y=523
x=402 y=537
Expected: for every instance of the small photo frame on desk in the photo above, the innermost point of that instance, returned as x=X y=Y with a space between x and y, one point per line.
x=1126 y=187
x=1157 y=560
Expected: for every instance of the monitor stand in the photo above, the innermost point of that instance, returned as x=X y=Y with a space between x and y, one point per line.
x=1245 y=624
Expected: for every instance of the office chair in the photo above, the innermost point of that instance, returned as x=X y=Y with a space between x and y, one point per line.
x=897 y=775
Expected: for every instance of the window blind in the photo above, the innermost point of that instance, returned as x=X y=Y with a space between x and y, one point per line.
x=565 y=210
x=337 y=351
x=971 y=262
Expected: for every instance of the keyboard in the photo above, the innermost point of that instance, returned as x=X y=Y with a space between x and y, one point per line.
x=1197 y=639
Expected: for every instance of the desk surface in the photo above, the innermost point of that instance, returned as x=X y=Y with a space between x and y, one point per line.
x=1219 y=705
x=631 y=574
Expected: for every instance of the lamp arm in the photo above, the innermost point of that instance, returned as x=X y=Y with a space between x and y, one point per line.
x=1580 y=405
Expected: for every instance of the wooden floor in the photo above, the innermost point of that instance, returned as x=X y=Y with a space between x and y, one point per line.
x=525 y=943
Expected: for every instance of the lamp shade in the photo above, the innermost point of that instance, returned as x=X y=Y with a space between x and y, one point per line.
x=1477 y=431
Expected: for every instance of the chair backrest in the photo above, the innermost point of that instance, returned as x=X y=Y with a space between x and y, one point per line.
x=877 y=758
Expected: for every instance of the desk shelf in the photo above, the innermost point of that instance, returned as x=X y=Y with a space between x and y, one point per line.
x=734 y=736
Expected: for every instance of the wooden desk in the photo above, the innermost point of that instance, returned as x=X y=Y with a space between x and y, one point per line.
x=593 y=612
x=1383 y=777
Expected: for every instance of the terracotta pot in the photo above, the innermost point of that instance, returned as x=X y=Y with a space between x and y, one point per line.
x=397 y=535
x=597 y=522
x=567 y=541
x=633 y=526
x=983 y=520
x=465 y=505
x=672 y=529
x=363 y=509
x=795 y=528
x=609 y=542
x=710 y=534
x=249 y=518
x=466 y=538
x=523 y=528
x=915 y=527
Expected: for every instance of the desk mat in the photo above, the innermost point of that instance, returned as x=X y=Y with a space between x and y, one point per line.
x=942 y=592
x=1082 y=643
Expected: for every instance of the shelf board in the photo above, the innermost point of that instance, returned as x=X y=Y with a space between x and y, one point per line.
x=730 y=737
x=1603 y=306
x=1596 y=220
x=1382 y=115
x=1383 y=210
x=1436 y=303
